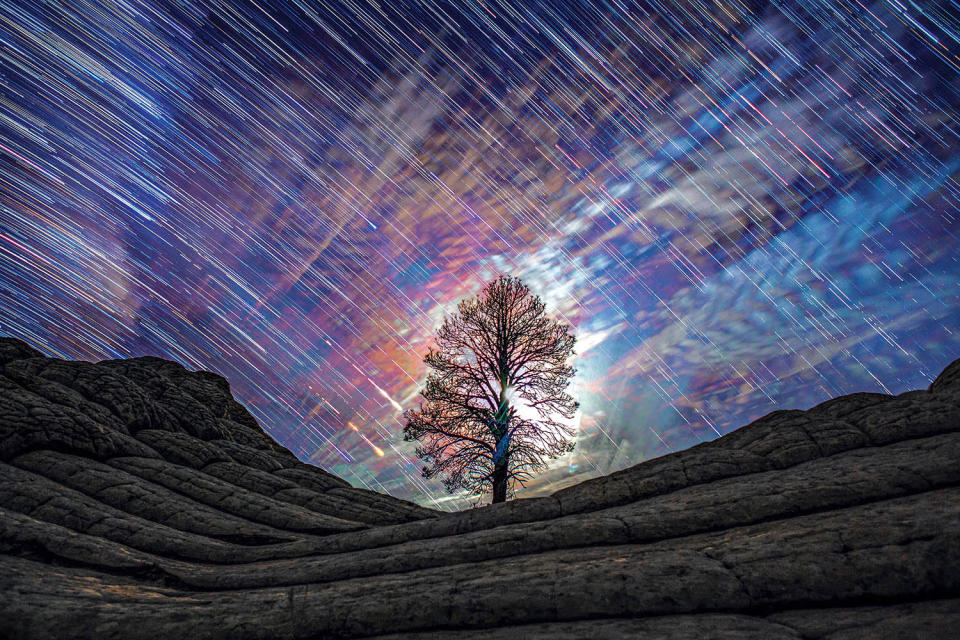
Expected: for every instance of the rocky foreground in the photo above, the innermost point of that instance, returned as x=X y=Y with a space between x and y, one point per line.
x=140 y=500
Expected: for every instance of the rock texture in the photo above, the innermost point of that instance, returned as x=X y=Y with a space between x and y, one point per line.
x=138 y=499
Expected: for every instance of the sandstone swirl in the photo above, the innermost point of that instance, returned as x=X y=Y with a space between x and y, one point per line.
x=140 y=500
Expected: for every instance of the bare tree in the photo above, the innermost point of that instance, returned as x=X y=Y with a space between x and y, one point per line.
x=493 y=402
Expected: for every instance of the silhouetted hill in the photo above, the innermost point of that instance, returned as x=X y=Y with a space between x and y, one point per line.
x=139 y=499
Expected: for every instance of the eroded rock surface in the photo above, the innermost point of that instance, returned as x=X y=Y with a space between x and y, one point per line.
x=139 y=499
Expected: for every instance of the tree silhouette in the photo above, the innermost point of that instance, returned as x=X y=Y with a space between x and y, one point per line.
x=493 y=401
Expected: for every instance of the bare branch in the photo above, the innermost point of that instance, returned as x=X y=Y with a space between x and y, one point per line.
x=499 y=350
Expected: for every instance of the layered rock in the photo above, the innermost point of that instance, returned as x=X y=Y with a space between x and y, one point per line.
x=138 y=499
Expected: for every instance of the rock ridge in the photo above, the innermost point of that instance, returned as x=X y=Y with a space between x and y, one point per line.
x=139 y=499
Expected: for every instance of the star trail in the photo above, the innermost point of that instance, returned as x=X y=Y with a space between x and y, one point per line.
x=740 y=206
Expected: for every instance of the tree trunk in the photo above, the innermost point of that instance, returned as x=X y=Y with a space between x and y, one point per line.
x=500 y=482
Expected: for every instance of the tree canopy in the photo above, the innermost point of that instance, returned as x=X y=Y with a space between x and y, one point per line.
x=495 y=399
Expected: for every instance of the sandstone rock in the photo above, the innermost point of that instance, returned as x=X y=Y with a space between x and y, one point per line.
x=947 y=383
x=230 y=498
x=139 y=499
x=12 y=349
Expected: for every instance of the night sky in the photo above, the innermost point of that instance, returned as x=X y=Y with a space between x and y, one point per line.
x=740 y=206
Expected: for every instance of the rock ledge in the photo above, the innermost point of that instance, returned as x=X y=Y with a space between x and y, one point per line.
x=139 y=499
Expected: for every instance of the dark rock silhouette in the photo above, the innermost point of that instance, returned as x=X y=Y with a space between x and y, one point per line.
x=138 y=499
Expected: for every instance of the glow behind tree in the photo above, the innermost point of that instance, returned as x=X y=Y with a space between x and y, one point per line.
x=498 y=354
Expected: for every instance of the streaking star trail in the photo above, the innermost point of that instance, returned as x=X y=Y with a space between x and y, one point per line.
x=740 y=206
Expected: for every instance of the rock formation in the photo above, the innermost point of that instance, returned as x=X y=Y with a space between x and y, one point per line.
x=139 y=499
